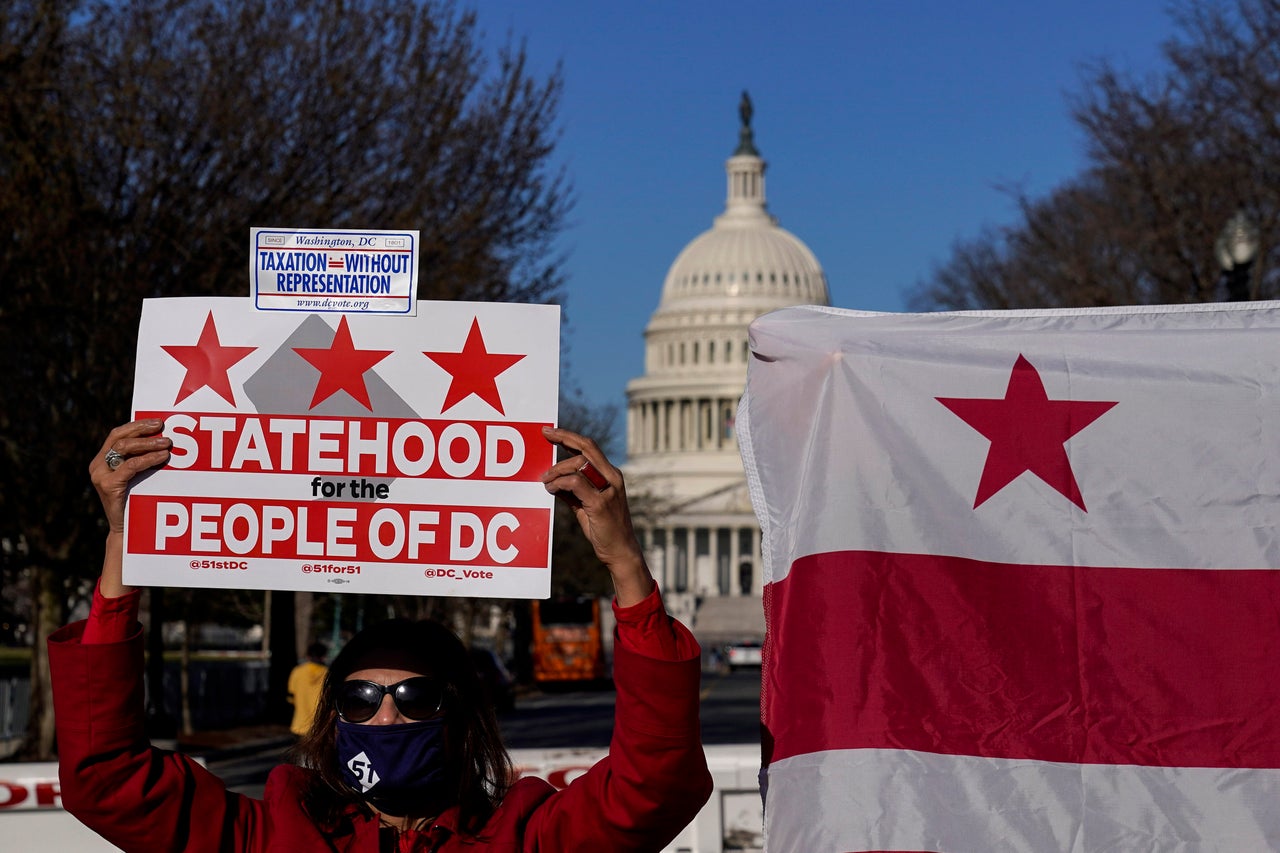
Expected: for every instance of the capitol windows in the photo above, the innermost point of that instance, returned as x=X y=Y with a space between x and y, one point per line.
x=722 y=561
x=745 y=573
x=681 y=536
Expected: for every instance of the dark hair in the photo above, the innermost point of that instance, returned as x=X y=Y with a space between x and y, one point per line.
x=474 y=755
x=317 y=651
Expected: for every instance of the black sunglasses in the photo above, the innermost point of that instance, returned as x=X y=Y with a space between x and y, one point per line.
x=418 y=698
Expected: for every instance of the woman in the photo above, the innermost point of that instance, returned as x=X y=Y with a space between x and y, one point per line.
x=404 y=753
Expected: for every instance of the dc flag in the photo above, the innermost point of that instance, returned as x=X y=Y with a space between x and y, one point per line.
x=1022 y=578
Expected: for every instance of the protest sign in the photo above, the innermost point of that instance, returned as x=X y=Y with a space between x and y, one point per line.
x=331 y=271
x=361 y=453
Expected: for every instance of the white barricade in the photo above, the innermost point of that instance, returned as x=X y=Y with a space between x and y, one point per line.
x=731 y=821
x=33 y=815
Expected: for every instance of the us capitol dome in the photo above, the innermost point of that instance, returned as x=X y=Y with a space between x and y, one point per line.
x=684 y=474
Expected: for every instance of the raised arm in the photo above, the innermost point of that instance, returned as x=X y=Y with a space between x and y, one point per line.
x=655 y=778
x=136 y=796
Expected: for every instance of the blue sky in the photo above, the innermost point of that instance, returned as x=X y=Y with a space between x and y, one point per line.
x=889 y=129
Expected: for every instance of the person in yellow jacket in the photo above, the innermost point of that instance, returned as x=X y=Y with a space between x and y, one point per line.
x=304 y=687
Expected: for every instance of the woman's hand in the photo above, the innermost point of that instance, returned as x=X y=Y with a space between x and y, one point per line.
x=137 y=447
x=601 y=511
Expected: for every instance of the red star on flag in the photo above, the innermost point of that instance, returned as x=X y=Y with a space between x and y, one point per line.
x=342 y=367
x=207 y=363
x=1027 y=431
x=475 y=370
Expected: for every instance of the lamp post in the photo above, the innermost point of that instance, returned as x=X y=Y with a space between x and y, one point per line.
x=1236 y=248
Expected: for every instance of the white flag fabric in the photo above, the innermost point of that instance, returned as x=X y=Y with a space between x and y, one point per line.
x=1022 y=578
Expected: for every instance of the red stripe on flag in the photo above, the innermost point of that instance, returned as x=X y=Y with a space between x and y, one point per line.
x=1157 y=667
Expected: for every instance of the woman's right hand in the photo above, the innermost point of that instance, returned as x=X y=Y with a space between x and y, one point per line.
x=141 y=447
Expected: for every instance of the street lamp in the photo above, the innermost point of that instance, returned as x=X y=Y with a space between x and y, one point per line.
x=1236 y=248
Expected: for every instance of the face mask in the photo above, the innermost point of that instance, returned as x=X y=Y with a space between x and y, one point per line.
x=398 y=769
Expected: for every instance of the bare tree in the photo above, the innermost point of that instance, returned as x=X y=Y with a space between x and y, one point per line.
x=140 y=140
x=1170 y=159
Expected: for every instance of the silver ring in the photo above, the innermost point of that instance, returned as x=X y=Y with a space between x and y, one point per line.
x=113 y=458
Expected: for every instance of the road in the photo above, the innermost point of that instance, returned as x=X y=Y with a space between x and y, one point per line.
x=548 y=719
x=560 y=718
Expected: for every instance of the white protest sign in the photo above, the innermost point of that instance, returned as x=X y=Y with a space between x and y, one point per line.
x=331 y=271
x=354 y=453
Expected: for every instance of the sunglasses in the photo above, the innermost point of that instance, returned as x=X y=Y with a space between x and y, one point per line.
x=417 y=698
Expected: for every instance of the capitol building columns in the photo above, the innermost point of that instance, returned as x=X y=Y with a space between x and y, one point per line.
x=684 y=474
x=677 y=425
x=720 y=560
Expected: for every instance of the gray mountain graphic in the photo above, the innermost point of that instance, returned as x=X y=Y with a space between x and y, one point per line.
x=286 y=382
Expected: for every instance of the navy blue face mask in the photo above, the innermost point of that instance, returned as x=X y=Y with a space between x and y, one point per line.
x=398 y=769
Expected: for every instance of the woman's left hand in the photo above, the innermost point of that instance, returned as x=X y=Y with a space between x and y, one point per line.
x=601 y=510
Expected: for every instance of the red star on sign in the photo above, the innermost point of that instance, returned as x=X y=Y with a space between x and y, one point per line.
x=1027 y=431
x=475 y=370
x=207 y=363
x=342 y=367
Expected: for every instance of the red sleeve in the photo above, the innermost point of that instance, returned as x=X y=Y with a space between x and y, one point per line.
x=655 y=778
x=111 y=620
x=646 y=629
x=134 y=795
